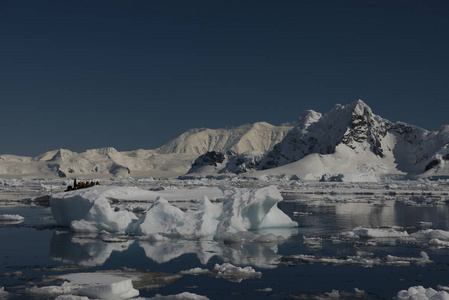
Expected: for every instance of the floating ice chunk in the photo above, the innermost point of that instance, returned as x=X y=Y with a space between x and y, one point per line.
x=431 y=234
x=71 y=297
x=419 y=292
x=102 y=286
x=301 y=214
x=52 y=291
x=376 y=233
x=422 y=260
x=363 y=259
x=196 y=271
x=234 y=273
x=11 y=218
x=335 y=294
x=359 y=292
x=182 y=296
x=438 y=243
x=226 y=270
x=3 y=293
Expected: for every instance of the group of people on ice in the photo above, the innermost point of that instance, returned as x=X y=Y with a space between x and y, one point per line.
x=81 y=185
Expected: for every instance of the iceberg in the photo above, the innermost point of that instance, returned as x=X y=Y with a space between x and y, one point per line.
x=238 y=210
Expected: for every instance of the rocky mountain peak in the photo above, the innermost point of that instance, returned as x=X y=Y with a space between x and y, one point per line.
x=364 y=126
x=307 y=118
x=351 y=125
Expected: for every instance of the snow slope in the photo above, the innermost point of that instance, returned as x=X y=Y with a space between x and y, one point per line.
x=258 y=136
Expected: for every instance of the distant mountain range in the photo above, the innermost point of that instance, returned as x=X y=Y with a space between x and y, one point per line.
x=171 y=160
x=347 y=143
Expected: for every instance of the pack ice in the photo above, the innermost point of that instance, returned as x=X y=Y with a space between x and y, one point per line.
x=237 y=210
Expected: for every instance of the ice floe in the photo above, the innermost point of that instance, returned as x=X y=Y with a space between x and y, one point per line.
x=227 y=271
x=3 y=293
x=375 y=233
x=361 y=259
x=91 y=285
x=11 y=218
x=433 y=237
x=181 y=296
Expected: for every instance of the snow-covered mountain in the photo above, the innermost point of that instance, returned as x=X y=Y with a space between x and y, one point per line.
x=352 y=140
x=347 y=143
x=259 y=136
x=171 y=160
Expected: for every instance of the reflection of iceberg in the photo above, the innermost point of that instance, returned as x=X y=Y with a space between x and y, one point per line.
x=8 y=219
x=83 y=251
x=252 y=254
x=88 y=251
x=246 y=254
x=162 y=252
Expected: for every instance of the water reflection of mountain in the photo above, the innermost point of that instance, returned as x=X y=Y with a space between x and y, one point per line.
x=91 y=251
x=324 y=214
x=365 y=214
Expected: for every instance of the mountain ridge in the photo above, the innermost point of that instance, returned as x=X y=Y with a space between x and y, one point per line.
x=349 y=142
x=171 y=160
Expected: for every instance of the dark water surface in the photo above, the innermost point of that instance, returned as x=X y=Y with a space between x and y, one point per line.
x=35 y=248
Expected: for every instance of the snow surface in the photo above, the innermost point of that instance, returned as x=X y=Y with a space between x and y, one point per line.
x=238 y=210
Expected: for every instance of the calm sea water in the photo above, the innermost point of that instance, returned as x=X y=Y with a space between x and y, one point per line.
x=37 y=248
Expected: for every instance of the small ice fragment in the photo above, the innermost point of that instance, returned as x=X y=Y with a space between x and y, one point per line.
x=183 y=296
x=8 y=217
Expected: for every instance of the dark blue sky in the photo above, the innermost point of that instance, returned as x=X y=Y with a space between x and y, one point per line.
x=136 y=74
